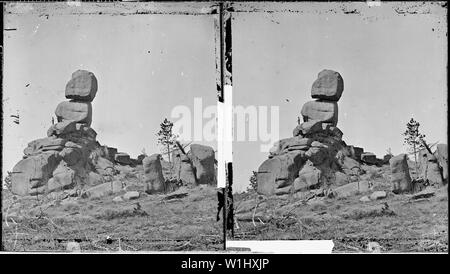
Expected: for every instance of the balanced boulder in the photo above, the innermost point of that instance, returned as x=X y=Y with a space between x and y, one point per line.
x=81 y=112
x=203 y=159
x=82 y=86
x=328 y=86
x=323 y=111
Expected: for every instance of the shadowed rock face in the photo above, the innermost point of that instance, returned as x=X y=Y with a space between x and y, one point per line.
x=82 y=86
x=322 y=111
x=70 y=156
x=153 y=175
x=442 y=157
x=80 y=112
x=203 y=159
x=328 y=86
x=400 y=178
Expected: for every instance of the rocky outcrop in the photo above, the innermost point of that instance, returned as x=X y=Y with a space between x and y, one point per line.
x=442 y=157
x=430 y=167
x=183 y=168
x=400 y=178
x=69 y=156
x=328 y=86
x=153 y=175
x=82 y=86
x=316 y=156
x=203 y=159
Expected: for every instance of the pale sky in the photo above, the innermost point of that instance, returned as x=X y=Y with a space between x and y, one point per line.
x=393 y=66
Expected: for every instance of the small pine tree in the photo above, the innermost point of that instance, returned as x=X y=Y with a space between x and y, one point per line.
x=165 y=137
x=414 y=139
x=253 y=183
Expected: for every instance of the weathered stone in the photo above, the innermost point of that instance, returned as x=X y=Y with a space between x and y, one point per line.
x=153 y=175
x=71 y=155
x=183 y=169
x=331 y=130
x=203 y=159
x=81 y=112
x=320 y=111
x=283 y=168
x=95 y=179
x=44 y=144
x=340 y=178
x=310 y=127
x=104 y=166
x=298 y=142
x=297 y=131
x=364 y=199
x=328 y=86
x=352 y=189
x=426 y=193
x=63 y=127
x=122 y=158
x=30 y=175
x=104 y=189
x=355 y=152
x=400 y=178
x=442 y=157
x=131 y=195
x=63 y=178
x=82 y=86
x=369 y=158
x=429 y=167
x=308 y=177
x=118 y=199
x=377 y=195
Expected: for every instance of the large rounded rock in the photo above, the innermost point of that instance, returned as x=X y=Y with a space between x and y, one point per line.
x=400 y=178
x=203 y=159
x=30 y=175
x=322 y=111
x=328 y=86
x=442 y=157
x=82 y=86
x=279 y=172
x=81 y=112
x=183 y=169
x=63 y=178
x=153 y=175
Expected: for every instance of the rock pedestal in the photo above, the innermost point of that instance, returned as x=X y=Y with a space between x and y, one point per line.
x=316 y=156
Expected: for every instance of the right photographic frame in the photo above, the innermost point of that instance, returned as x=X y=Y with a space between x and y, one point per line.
x=339 y=127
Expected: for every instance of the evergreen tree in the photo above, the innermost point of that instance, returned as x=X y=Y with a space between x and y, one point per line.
x=165 y=137
x=414 y=139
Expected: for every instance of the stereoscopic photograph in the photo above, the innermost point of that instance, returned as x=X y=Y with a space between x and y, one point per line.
x=341 y=124
x=225 y=127
x=99 y=147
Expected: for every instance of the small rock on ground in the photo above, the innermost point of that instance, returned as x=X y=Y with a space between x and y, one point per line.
x=364 y=199
x=130 y=195
x=118 y=199
x=378 y=195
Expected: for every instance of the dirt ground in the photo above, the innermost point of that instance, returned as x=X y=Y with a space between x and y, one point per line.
x=149 y=223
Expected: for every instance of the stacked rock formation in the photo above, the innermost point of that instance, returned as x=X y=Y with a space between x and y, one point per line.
x=70 y=155
x=315 y=156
